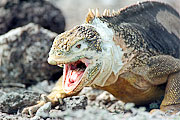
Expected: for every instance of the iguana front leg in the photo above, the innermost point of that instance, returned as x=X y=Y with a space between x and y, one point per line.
x=161 y=69
x=56 y=94
x=171 y=99
x=158 y=68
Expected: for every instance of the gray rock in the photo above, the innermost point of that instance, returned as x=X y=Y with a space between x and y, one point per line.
x=74 y=103
x=5 y=116
x=24 y=53
x=13 y=101
x=44 y=87
x=91 y=113
x=16 y=13
x=103 y=100
x=43 y=111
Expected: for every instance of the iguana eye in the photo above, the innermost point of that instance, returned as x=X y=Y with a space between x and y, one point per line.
x=78 y=46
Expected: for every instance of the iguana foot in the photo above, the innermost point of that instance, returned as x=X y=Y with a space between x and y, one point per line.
x=171 y=109
x=32 y=109
x=54 y=97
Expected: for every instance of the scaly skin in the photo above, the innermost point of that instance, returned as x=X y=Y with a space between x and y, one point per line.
x=133 y=53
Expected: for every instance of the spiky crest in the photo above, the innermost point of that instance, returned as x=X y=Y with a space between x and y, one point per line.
x=95 y=13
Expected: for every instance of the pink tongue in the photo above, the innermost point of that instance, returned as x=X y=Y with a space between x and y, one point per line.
x=73 y=76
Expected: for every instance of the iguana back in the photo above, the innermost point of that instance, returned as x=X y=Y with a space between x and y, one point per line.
x=158 y=25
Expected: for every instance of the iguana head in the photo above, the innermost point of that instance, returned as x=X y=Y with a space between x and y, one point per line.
x=85 y=51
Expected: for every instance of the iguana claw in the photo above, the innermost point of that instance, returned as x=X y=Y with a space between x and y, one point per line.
x=32 y=109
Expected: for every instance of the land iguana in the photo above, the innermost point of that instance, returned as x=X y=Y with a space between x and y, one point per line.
x=132 y=53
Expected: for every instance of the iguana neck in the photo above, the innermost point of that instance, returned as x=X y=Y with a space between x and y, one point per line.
x=111 y=56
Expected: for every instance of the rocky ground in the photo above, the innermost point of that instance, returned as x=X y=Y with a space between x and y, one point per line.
x=91 y=104
x=28 y=29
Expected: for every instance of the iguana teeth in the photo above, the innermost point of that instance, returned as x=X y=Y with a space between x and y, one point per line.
x=97 y=12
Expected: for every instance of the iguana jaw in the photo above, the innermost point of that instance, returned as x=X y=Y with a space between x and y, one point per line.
x=76 y=74
x=73 y=74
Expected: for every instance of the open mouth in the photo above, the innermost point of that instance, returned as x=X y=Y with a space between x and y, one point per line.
x=73 y=73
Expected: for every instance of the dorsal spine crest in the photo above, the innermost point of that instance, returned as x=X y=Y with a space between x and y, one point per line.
x=94 y=13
